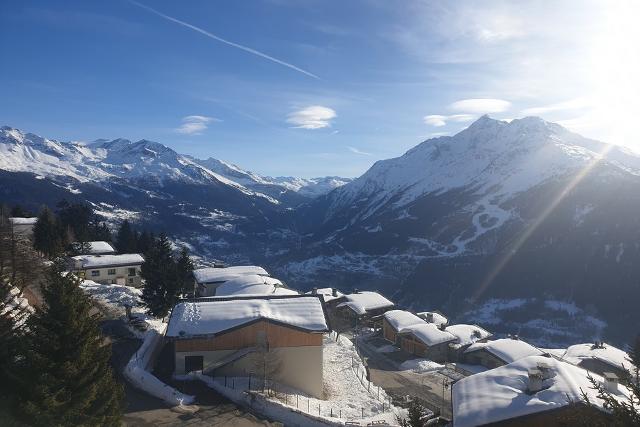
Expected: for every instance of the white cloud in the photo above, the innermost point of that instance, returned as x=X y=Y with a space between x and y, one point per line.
x=480 y=106
x=571 y=104
x=194 y=125
x=438 y=120
x=355 y=150
x=312 y=117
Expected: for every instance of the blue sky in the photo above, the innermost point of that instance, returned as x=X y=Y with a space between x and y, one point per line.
x=311 y=88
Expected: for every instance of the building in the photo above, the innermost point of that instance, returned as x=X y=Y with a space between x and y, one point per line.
x=327 y=294
x=434 y=317
x=94 y=248
x=121 y=269
x=253 y=284
x=393 y=321
x=361 y=308
x=599 y=358
x=532 y=391
x=208 y=279
x=468 y=334
x=492 y=354
x=426 y=340
x=277 y=337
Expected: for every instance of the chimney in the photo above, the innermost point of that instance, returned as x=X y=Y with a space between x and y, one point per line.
x=334 y=292
x=535 y=380
x=356 y=291
x=315 y=291
x=430 y=317
x=516 y=337
x=610 y=382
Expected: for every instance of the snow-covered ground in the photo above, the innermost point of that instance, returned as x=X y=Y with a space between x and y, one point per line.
x=420 y=366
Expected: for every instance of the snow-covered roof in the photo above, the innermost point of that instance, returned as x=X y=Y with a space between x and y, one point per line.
x=436 y=318
x=507 y=349
x=327 y=293
x=400 y=319
x=468 y=334
x=23 y=221
x=428 y=333
x=502 y=393
x=214 y=316
x=99 y=247
x=101 y=261
x=253 y=284
x=609 y=354
x=364 y=301
x=222 y=274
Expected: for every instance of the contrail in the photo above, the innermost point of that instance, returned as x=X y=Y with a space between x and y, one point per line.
x=220 y=39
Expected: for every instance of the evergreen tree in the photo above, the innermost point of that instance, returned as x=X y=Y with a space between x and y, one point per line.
x=65 y=376
x=144 y=241
x=184 y=266
x=126 y=238
x=20 y=212
x=75 y=220
x=416 y=414
x=161 y=278
x=47 y=234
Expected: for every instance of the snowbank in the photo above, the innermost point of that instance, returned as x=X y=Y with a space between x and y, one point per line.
x=420 y=366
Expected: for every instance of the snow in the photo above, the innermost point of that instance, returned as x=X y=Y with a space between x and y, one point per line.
x=215 y=316
x=507 y=349
x=436 y=318
x=420 y=366
x=609 y=354
x=23 y=221
x=365 y=301
x=252 y=284
x=401 y=319
x=327 y=293
x=215 y=274
x=501 y=393
x=428 y=333
x=99 y=247
x=468 y=334
x=102 y=261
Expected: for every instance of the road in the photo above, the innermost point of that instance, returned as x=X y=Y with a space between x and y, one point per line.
x=427 y=387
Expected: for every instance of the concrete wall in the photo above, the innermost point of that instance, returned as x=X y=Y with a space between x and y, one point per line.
x=121 y=273
x=299 y=367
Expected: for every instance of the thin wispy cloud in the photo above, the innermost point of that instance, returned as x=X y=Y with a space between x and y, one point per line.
x=439 y=120
x=356 y=151
x=221 y=40
x=312 y=117
x=571 y=104
x=194 y=125
x=480 y=105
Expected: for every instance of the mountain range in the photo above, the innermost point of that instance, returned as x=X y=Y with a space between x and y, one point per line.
x=522 y=225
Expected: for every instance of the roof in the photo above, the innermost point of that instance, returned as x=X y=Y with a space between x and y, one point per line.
x=400 y=319
x=364 y=301
x=102 y=261
x=23 y=221
x=213 y=316
x=428 y=333
x=327 y=293
x=438 y=318
x=501 y=393
x=253 y=284
x=609 y=354
x=222 y=274
x=506 y=349
x=467 y=334
x=99 y=247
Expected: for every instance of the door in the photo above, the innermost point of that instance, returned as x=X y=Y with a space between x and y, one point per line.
x=193 y=363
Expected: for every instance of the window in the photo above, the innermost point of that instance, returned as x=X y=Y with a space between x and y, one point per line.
x=95 y=273
x=132 y=271
x=111 y=271
x=193 y=363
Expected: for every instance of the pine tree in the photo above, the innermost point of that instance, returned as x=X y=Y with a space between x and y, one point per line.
x=126 y=238
x=66 y=379
x=185 y=272
x=161 y=278
x=47 y=235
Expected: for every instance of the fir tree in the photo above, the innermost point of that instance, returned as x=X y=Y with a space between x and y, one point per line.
x=47 y=235
x=184 y=266
x=126 y=238
x=66 y=379
x=161 y=278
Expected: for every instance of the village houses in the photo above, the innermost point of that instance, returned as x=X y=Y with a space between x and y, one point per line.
x=122 y=269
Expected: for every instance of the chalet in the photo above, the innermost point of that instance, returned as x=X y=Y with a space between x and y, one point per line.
x=253 y=284
x=434 y=317
x=393 y=321
x=532 y=391
x=599 y=358
x=208 y=279
x=94 y=248
x=359 y=308
x=426 y=340
x=493 y=354
x=465 y=336
x=276 y=338
x=123 y=269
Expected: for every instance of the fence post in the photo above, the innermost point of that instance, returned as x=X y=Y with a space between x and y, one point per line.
x=340 y=416
x=332 y=412
x=369 y=386
x=297 y=400
x=308 y=407
x=249 y=382
x=225 y=380
x=363 y=412
x=378 y=392
x=318 y=409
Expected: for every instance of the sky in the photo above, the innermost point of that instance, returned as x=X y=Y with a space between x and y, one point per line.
x=313 y=87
